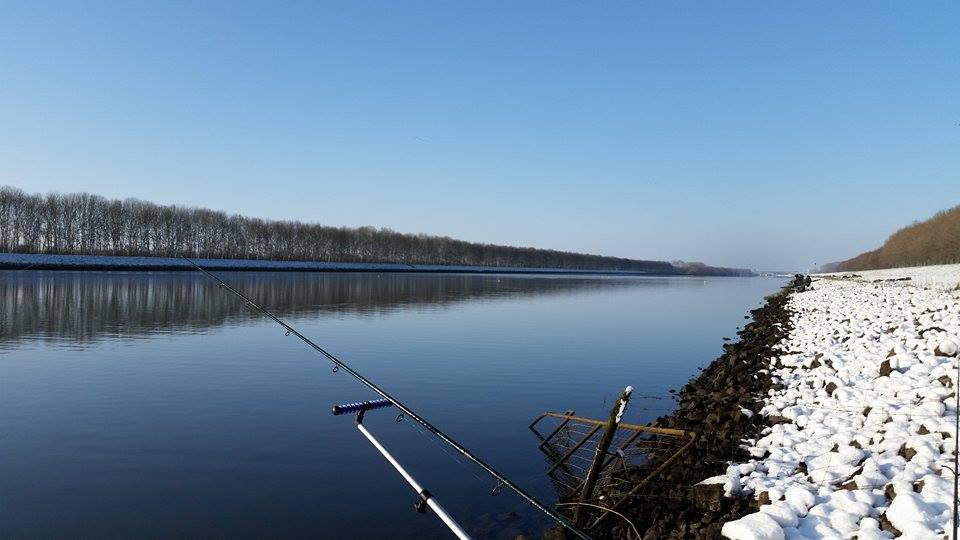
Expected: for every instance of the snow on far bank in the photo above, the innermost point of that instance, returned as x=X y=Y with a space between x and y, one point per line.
x=864 y=411
x=943 y=277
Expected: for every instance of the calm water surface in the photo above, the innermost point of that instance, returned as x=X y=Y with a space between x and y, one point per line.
x=155 y=405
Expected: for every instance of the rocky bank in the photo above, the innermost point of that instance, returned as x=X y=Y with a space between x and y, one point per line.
x=718 y=405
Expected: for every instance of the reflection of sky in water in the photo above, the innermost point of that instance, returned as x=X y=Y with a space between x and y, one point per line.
x=212 y=423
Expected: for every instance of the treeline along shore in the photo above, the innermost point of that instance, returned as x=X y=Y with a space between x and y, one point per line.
x=81 y=224
x=931 y=242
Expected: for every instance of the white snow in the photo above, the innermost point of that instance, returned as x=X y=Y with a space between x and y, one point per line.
x=914 y=516
x=759 y=526
x=859 y=449
x=943 y=277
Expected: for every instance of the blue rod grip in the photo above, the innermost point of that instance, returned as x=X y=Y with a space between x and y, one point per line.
x=361 y=406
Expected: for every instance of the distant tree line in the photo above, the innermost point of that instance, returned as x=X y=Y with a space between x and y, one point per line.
x=85 y=224
x=934 y=241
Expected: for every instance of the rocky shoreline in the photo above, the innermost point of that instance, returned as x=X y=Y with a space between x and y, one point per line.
x=833 y=416
x=676 y=505
x=864 y=436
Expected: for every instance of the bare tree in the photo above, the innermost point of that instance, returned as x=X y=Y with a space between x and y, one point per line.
x=934 y=241
x=81 y=223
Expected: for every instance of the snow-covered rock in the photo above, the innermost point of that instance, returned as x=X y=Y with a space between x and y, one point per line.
x=914 y=516
x=866 y=386
x=759 y=526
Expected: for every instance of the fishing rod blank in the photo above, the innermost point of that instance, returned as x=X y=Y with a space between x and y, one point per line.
x=426 y=498
x=339 y=364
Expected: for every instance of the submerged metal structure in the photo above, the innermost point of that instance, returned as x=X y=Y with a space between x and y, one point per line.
x=570 y=445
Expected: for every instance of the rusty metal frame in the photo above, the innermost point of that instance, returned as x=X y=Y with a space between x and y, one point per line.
x=624 y=425
x=545 y=440
x=573 y=449
x=690 y=437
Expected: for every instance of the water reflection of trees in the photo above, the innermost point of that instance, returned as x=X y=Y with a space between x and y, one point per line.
x=85 y=306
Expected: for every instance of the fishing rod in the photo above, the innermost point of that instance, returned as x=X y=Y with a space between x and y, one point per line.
x=427 y=500
x=339 y=364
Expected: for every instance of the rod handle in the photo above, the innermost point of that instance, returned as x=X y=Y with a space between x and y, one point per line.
x=361 y=406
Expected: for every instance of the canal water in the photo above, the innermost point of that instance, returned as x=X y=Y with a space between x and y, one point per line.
x=156 y=405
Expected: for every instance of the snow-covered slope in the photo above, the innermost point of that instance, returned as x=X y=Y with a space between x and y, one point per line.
x=865 y=408
x=943 y=277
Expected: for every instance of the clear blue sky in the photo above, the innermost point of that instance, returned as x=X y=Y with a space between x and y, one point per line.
x=760 y=134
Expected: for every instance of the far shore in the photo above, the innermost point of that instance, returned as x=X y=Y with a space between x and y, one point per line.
x=34 y=261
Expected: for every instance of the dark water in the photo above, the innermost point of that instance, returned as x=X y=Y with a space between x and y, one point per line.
x=155 y=405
